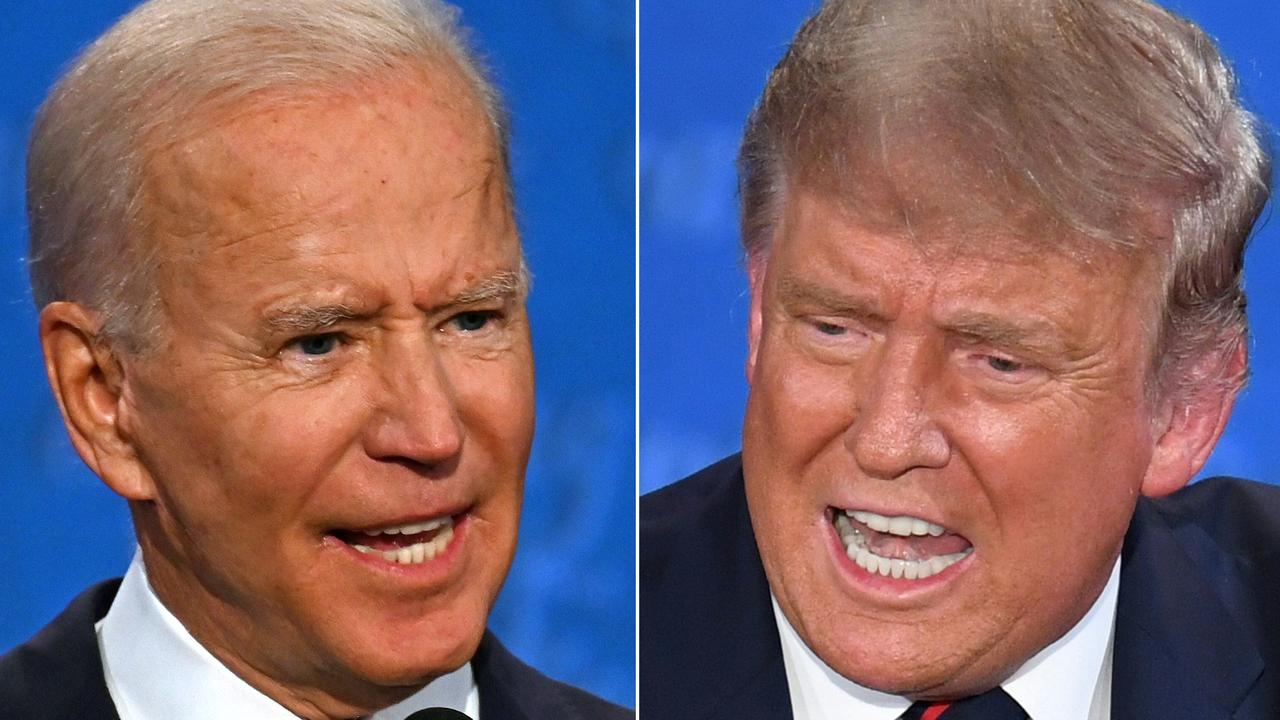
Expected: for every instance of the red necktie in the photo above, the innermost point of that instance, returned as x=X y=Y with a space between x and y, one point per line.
x=995 y=704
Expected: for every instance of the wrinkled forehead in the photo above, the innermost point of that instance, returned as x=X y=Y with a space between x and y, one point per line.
x=270 y=161
x=947 y=232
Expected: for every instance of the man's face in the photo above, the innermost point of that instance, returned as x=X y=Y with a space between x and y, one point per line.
x=982 y=417
x=338 y=418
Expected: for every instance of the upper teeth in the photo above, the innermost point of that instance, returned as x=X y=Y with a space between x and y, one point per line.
x=903 y=525
x=858 y=547
x=418 y=552
x=413 y=528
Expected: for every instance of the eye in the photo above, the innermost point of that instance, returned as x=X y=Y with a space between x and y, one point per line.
x=473 y=321
x=1003 y=364
x=827 y=328
x=1003 y=369
x=322 y=344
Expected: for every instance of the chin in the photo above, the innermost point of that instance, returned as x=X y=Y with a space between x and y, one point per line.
x=397 y=656
x=926 y=676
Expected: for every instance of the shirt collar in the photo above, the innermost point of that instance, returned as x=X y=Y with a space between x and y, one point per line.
x=1057 y=683
x=156 y=670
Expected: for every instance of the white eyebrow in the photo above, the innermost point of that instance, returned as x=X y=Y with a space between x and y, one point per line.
x=309 y=318
x=507 y=283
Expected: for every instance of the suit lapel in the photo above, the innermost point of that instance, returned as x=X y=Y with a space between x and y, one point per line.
x=753 y=679
x=1180 y=653
x=502 y=687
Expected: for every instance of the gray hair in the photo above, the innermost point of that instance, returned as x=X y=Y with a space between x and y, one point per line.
x=1114 y=121
x=152 y=78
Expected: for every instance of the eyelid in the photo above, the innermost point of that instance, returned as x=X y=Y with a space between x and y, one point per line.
x=293 y=345
x=494 y=318
x=844 y=322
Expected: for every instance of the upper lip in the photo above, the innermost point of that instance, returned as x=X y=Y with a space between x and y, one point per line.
x=929 y=517
x=389 y=520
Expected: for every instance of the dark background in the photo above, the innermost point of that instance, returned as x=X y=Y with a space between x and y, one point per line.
x=567 y=70
x=702 y=65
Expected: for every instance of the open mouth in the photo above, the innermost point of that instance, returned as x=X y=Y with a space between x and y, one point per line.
x=406 y=544
x=900 y=547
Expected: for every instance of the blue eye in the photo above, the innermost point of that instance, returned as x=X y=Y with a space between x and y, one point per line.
x=472 y=321
x=1004 y=365
x=318 y=344
x=827 y=328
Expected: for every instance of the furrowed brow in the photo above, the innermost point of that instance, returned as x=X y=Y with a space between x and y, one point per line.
x=794 y=291
x=1029 y=335
x=505 y=284
x=308 y=318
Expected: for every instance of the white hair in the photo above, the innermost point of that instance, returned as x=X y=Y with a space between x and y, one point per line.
x=152 y=79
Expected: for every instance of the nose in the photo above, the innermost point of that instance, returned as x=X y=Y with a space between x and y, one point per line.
x=417 y=419
x=895 y=431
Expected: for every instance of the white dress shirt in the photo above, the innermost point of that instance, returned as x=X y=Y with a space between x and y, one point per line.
x=1068 y=680
x=155 y=670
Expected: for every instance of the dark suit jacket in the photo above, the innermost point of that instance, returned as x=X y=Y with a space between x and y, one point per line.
x=1197 y=624
x=57 y=675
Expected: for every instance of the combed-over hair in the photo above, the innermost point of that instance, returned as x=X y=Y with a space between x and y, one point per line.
x=1109 y=120
x=153 y=78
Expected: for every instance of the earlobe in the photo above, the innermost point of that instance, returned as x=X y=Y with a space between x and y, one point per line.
x=755 y=274
x=88 y=382
x=1190 y=428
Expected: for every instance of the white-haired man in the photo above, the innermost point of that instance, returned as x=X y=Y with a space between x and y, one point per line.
x=995 y=254
x=283 y=313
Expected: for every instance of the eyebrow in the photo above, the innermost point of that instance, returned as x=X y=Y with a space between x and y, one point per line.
x=309 y=318
x=1029 y=334
x=794 y=291
x=1032 y=335
x=504 y=284
x=302 y=318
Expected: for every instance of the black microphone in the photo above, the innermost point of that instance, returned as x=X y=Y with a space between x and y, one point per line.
x=438 y=713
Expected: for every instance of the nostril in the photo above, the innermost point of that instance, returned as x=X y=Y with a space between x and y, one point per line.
x=435 y=470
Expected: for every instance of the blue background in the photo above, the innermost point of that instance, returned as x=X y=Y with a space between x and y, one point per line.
x=702 y=65
x=567 y=70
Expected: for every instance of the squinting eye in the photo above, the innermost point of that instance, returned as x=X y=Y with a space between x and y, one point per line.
x=318 y=344
x=827 y=328
x=1004 y=365
x=472 y=321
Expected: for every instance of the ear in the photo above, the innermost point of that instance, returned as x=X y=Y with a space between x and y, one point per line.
x=1192 y=426
x=757 y=263
x=89 y=384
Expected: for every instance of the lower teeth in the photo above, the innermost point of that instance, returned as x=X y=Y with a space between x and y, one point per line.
x=855 y=548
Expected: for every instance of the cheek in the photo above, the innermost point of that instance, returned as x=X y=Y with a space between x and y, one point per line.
x=1061 y=482
x=495 y=400
x=797 y=407
x=252 y=455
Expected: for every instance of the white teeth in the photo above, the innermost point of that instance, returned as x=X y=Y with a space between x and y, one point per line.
x=413 y=528
x=903 y=525
x=417 y=552
x=900 y=525
x=856 y=544
x=909 y=569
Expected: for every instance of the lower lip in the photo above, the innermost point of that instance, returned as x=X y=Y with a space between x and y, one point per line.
x=427 y=572
x=882 y=585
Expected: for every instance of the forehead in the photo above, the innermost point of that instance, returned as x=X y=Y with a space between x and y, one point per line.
x=821 y=240
x=408 y=161
x=419 y=126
